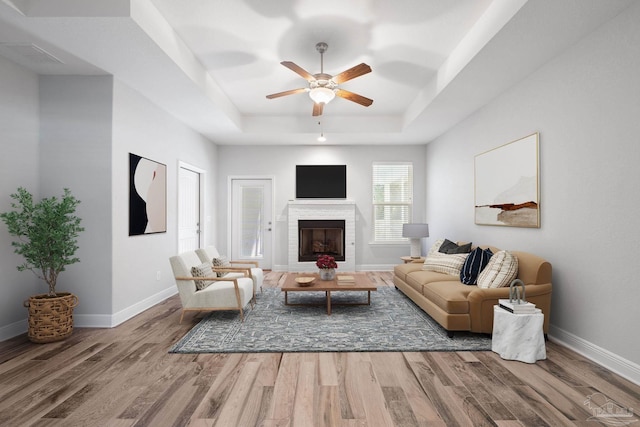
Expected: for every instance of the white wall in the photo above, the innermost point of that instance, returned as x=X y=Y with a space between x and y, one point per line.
x=141 y=128
x=585 y=104
x=75 y=153
x=18 y=168
x=77 y=132
x=279 y=161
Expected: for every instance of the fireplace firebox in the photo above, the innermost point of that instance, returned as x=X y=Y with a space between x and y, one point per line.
x=320 y=237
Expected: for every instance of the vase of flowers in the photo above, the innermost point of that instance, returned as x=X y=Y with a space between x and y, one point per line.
x=327 y=267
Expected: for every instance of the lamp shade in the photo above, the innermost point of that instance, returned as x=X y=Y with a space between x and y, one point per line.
x=415 y=231
x=321 y=95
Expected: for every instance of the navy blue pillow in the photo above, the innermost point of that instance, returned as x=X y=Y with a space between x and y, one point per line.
x=473 y=265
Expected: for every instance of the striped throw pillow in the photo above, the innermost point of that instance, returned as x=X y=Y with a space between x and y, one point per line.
x=500 y=271
x=444 y=263
x=476 y=261
x=435 y=247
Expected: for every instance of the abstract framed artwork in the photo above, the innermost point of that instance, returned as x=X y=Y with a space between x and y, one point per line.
x=147 y=196
x=507 y=185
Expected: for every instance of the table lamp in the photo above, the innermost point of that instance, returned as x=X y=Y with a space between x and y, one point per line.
x=415 y=232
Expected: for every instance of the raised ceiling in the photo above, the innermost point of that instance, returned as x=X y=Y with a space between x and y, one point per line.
x=210 y=63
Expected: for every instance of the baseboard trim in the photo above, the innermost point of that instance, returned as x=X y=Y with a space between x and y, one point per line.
x=621 y=366
x=375 y=267
x=112 y=320
x=13 y=329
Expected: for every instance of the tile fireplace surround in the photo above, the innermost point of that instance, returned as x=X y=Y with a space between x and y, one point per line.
x=322 y=209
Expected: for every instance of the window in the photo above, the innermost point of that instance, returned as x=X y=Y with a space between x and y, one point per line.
x=392 y=200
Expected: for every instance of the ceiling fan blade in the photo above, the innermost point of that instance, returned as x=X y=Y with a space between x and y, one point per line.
x=286 y=92
x=352 y=73
x=359 y=99
x=317 y=108
x=298 y=69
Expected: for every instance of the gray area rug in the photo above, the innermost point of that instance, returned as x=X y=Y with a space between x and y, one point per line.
x=391 y=323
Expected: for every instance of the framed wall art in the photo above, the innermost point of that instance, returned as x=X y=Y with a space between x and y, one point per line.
x=147 y=196
x=507 y=190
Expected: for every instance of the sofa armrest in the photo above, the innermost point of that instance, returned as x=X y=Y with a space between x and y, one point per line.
x=245 y=262
x=481 y=302
x=482 y=294
x=244 y=270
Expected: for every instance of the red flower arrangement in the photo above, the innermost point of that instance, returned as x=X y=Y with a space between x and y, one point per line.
x=326 y=261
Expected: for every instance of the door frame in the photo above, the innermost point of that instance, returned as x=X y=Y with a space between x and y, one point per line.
x=230 y=179
x=203 y=223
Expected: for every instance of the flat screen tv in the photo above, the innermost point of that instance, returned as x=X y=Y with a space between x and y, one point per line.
x=321 y=182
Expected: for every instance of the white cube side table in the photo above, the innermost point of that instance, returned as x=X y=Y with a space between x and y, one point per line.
x=518 y=336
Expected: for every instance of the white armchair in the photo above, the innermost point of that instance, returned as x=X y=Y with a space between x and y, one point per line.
x=237 y=268
x=223 y=294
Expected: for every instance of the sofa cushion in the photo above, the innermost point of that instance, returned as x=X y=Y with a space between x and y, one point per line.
x=221 y=262
x=445 y=263
x=476 y=261
x=450 y=296
x=448 y=247
x=500 y=271
x=401 y=270
x=418 y=279
x=202 y=270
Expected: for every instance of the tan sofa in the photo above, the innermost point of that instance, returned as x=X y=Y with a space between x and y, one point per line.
x=460 y=307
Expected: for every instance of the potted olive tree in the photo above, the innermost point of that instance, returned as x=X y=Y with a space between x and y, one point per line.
x=46 y=234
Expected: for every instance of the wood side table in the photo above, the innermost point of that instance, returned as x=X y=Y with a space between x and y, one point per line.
x=408 y=259
x=518 y=336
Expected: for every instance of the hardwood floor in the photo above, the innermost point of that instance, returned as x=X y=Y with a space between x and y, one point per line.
x=125 y=377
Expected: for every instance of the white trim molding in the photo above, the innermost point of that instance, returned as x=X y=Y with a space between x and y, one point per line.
x=112 y=320
x=621 y=366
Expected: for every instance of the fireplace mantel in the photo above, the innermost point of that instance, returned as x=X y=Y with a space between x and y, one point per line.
x=322 y=209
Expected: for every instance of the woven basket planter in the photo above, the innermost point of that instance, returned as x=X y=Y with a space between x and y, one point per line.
x=50 y=318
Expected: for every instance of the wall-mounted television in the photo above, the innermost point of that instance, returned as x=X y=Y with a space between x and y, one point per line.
x=321 y=182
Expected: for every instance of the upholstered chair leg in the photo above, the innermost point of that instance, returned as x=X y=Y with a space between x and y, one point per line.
x=181 y=316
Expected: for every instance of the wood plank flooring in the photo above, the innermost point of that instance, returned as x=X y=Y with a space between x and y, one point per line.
x=125 y=377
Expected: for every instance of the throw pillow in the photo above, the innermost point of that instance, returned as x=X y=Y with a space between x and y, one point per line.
x=448 y=247
x=202 y=270
x=500 y=271
x=435 y=247
x=222 y=262
x=476 y=261
x=445 y=263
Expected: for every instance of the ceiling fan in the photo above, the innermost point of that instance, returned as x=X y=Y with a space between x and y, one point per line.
x=324 y=87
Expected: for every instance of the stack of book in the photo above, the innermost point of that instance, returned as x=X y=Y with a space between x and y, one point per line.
x=346 y=280
x=521 y=307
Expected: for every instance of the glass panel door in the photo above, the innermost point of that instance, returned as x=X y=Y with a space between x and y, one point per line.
x=251 y=221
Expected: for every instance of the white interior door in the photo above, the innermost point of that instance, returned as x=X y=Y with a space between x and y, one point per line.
x=188 y=210
x=251 y=220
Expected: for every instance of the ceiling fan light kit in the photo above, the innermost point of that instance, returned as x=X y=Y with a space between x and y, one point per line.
x=321 y=95
x=324 y=87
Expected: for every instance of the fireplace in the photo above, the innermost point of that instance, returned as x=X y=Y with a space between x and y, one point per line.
x=325 y=211
x=320 y=237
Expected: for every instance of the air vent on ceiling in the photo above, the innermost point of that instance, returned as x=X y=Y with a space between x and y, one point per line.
x=27 y=54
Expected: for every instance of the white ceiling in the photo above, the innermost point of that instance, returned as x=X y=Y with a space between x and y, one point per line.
x=211 y=63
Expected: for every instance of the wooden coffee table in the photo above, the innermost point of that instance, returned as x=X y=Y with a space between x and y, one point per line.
x=360 y=283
